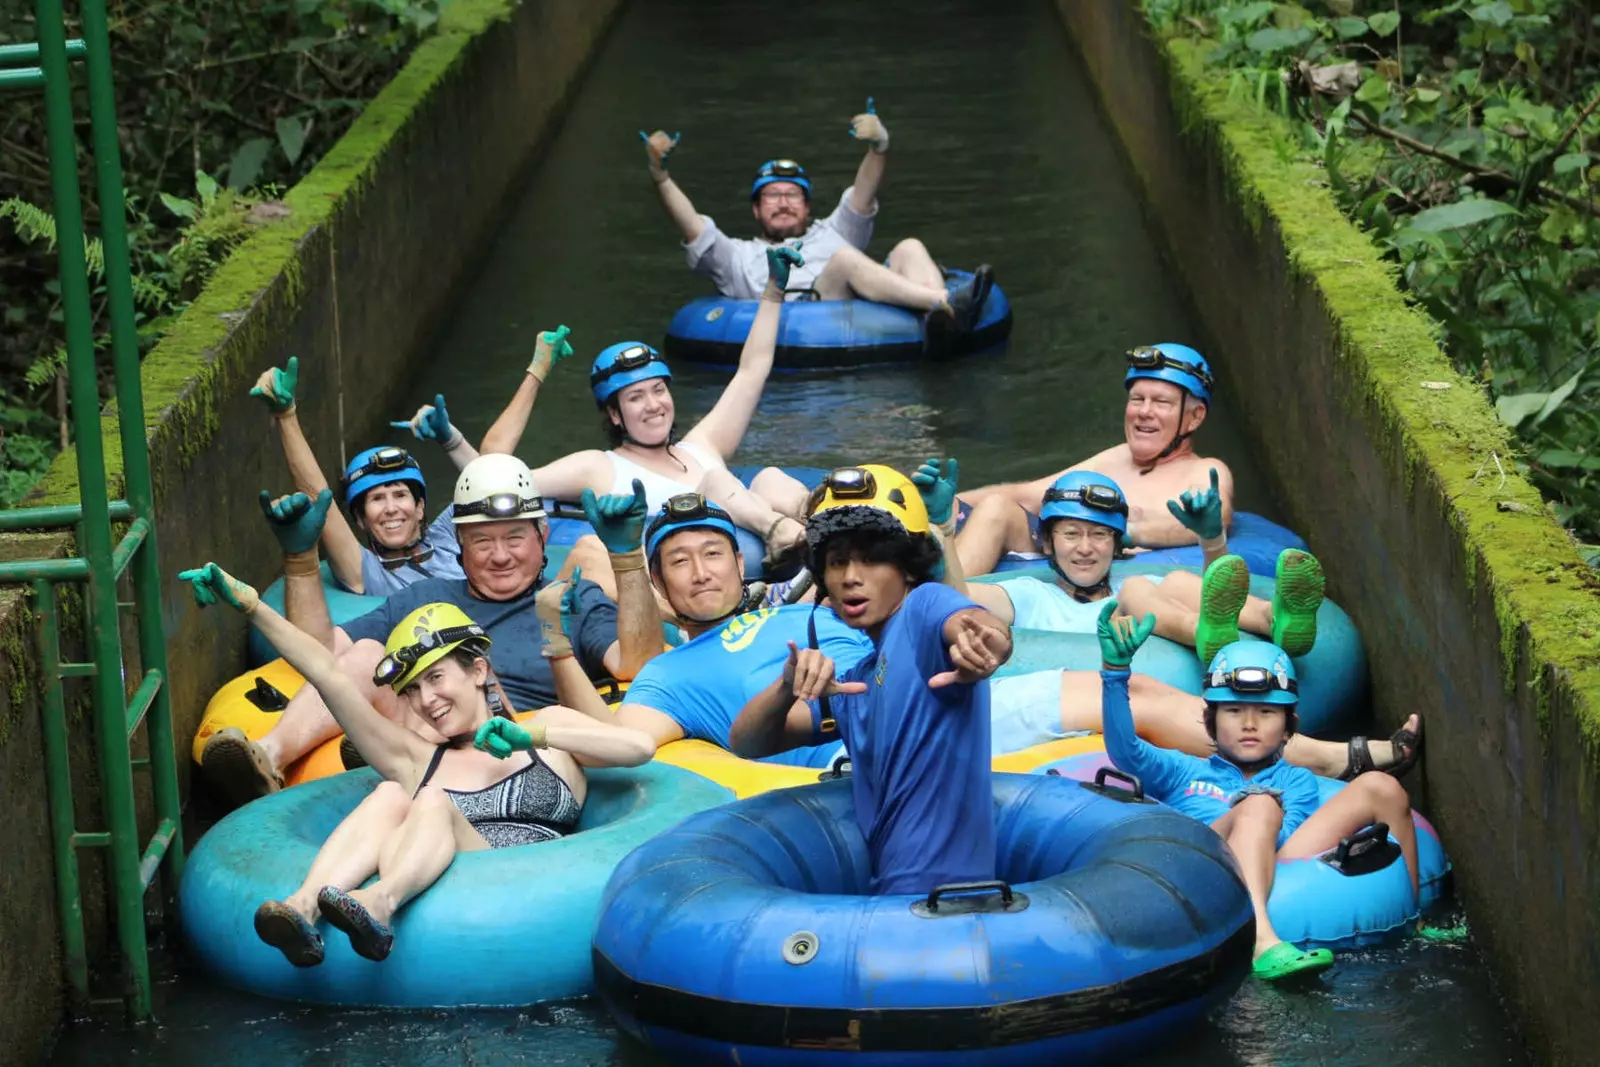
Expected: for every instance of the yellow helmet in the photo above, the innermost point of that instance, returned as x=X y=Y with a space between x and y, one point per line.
x=423 y=638
x=872 y=497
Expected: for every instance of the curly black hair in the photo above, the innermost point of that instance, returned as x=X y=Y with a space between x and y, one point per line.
x=918 y=555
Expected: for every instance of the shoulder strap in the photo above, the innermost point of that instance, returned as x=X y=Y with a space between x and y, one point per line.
x=433 y=765
x=828 y=721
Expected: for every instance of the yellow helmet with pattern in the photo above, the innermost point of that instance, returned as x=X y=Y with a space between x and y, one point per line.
x=422 y=639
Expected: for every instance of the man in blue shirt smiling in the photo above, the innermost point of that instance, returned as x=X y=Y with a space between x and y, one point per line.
x=914 y=712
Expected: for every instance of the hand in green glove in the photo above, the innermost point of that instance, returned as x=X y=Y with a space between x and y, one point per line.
x=781 y=259
x=557 y=607
x=1120 y=636
x=432 y=423
x=211 y=583
x=1200 y=510
x=618 y=520
x=551 y=348
x=658 y=147
x=276 y=387
x=296 y=520
x=501 y=737
x=868 y=127
x=937 y=480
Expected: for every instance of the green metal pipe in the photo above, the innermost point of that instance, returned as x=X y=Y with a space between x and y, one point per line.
x=147 y=578
x=140 y=702
x=16 y=55
x=166 y=833
x=94 y=532
x=92 y=839
x=51 y=570
x=58 y=784
x=23 y=78
x=122 y=555
x=58 y=515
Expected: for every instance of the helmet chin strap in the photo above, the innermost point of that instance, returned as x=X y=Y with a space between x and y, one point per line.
x=1083 y=594
x=1177 y=439
x=749 y=600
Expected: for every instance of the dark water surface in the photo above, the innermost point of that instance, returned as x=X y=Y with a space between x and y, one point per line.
x=997 y=156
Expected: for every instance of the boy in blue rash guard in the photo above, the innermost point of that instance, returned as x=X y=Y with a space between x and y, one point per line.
x=1263 y=807
x=914 y=713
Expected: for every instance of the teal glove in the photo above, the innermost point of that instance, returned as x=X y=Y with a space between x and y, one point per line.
x=570 y=609
x=868 y=127
x=557 y=607
x=618 y=520
x=296 y=521
x=1200 y=510
x=501 y=737
x=936 y=480
x=1120 y=637
x=550 y=349
x=780 y=260
x=211 y=583
x=658 y=147
x=432 y=423
x=276 y=387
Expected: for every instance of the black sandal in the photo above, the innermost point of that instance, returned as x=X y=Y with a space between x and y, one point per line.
x=287 y=931
x=368 y=936
x=1407 y=742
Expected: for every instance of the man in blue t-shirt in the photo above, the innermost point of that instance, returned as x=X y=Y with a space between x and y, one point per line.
x=914 y=712
x=500 y=520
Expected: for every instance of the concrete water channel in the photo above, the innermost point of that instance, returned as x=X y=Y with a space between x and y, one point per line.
x=999 y=155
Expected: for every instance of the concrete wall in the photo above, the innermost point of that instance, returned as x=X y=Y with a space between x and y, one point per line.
x=354 y=282
x=1475 y=607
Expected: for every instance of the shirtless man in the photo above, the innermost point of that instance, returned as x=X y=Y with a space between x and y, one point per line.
x=1169 y=388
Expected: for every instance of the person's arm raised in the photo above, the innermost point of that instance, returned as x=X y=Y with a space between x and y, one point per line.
x=724 y=425
x=432 y=423
x=394 y=751
x=297 y=522
x=550 y=348
x=618 y=521
x=779 y=717
x=978 y=644
x=658 y=148
x=557 y=607
x=869 y=175
x=1200 y=512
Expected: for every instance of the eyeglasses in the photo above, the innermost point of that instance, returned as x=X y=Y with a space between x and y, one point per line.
x=389 y=458
x=500 y=506
x=850 y=483
x=1100 y=535
x=1097 y=497
x=628 y=359
x=396 y=663
x=1254 y=680
x=772 y=194
x=1147 y=358
x=781 y=168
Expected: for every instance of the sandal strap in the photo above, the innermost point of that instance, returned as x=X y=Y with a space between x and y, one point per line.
x=1360 y=759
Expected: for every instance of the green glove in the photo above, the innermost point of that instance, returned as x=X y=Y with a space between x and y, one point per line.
x=1200 y=510
x=276 y=387
x=936 y=480
x=211 y=583
x=557 y=607
x=501 y=737
x=296 y=521
x=432 y=423
x=1120 y=637
x=550 y=349
x=618 y=520
x=780 y=260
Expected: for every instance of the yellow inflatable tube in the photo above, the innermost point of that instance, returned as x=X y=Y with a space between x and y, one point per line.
x=253 y=701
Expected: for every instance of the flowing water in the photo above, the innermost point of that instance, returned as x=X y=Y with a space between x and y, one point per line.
x=998 y=156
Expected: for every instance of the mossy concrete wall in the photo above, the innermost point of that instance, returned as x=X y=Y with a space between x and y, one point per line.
x=1474 y=604
x=354 y=281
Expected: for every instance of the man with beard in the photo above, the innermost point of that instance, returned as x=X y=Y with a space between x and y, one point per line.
x=836 y=268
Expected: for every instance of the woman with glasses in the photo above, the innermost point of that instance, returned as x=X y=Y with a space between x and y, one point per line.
x=453 y=781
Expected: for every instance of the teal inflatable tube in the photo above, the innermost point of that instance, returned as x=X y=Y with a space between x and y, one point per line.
x=1333 y=675
x=501 y=928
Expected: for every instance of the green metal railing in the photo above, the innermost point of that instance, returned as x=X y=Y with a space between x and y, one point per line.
x=101 y=564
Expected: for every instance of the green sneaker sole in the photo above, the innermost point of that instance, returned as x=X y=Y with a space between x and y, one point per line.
x=1296 y=596
x=1223 y=591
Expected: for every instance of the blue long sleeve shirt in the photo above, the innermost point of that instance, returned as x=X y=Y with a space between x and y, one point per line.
x=1203 y=789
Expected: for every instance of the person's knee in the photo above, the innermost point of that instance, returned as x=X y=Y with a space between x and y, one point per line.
x=1137 y=586
x=432 y=800
x=1380 y=789
x=908 y=247
x=844 y=260
x=1259 y=811
x=391 y=796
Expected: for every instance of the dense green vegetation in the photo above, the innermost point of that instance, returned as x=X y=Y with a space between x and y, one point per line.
x=221 y=105
x=1462 y=136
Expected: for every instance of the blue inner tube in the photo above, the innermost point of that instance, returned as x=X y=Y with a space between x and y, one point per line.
x=741 y=936
x=501 y=928
x=1333 y=676
x=815 y=334
x=1346 y=904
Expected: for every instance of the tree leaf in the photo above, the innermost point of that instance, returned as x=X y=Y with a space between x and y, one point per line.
x=1558 y=397
x=1461 y=213
x=184 y=209
x=1383 y=23
x=205 y=185
x=1350 y=27
x=1513 y=408
x=1276 y=40
x=291 y=137
x=247 y=162
x=1498 y=14
x=1570 y=162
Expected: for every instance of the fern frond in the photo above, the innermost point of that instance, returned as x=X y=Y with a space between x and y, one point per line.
x=34 y=223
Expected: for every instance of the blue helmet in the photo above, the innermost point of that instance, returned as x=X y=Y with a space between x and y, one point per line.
x=1087 y=496
x=380 y=466
x=1168 y=362
x=686 y=511
x=780 y=170
x=1251 y=672
x=623 y=364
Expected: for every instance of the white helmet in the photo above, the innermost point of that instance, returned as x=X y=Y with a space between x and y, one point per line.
x=495 y=488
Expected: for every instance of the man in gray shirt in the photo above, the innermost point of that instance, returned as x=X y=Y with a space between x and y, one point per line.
x=835 y=266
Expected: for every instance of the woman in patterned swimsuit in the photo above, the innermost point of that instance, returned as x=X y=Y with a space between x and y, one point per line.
x=472 y=792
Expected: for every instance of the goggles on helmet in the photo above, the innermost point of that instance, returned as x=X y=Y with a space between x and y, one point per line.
x=391 y=458
x=501 y=506
x=628 y=359
x=1253 y=680
x=1097 y=497
x=850 y=483
x=1148 y=358
x=396 y=663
